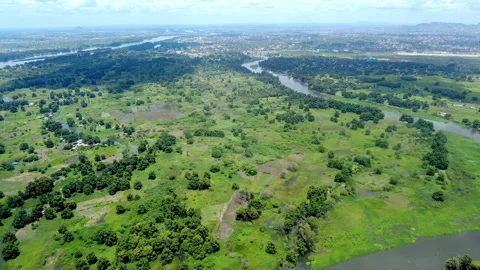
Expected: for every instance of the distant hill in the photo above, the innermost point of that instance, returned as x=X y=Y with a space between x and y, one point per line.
x=440 y=27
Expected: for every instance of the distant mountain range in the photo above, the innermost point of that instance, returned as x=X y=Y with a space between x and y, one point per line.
x=440 y=27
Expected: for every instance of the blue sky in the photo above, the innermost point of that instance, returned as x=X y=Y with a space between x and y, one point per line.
x=55 y=13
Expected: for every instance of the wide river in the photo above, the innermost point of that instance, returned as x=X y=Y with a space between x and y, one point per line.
x=424 y=254
x=42 y=57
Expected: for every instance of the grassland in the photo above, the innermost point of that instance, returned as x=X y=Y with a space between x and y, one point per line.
x=370 y=214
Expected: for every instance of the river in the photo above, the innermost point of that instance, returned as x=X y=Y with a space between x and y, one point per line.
x=300 y=87
x=424 y=254
x=42 y=57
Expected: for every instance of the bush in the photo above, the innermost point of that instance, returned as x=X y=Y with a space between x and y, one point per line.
x=103 y=263
x=235 y=186
x=270 y=248
x=81 y=264
x=120 y=209
x=50 y=213
x=67 y=213
x=10 y=251
x=137 y=185
x=91 y=258
x=214 y=168
x=62 y=229
x=438 y=196
x=68 y=237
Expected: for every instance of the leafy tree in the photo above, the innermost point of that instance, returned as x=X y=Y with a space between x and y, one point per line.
x=68 y=237
x=5 y=212
x=103 y=263
x=91 y=258
x=49 y=143
x=438 y=196
x=82 y=265
x=10 y=251
x=120 y=209
x=105 y=236
x=62 y=229
x=21 y=219
x=152 y=175
x=23 y=146
x=137 y=185
x=2 y=148
x=14 y=201
x=270 y=248
x=67 y=213
x=50 y=213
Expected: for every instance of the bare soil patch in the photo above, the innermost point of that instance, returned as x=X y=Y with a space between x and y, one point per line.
x=177 y=133
x=24 y=177
x=96 y=210
x=227 y=216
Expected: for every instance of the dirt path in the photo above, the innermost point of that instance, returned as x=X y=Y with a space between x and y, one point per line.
x=227 y=216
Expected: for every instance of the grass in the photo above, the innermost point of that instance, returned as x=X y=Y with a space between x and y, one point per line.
x=356 y=226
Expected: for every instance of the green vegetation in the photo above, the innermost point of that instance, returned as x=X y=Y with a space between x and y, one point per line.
x=137 y=159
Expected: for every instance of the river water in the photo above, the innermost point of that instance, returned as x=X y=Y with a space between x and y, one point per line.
x=424 y=254
x=300 y=87
x=42 y=57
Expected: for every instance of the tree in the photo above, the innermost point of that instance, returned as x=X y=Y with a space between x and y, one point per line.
x=5 y=212
x=217 y=153
x=152 y=175
x=82 y=265
x=137 y=185
x=92 y=258
x=270 y=248
x=14 y=201
x=23 y=146
x=2 y=149
x=49 y=143
x=50 y=213
x=120 y=209
x=103 y=263
x=438 y=196
x=68 y=237
x=67 y=213
x=62 y=229
x=21 y=219
x=10 y=251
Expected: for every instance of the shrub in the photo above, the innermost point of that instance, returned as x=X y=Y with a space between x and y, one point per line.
x=438 y=196
x=270 y=248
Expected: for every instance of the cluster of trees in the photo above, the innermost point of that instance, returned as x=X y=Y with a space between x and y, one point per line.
x=197 y=183
x=208 y=133
x=68 y=135
x=13 y=106
x=165 y=142
x=118 y=70
x=252 y=211
x=298 y=224
x=312 y=102
x=10 y=246
x=114 y=177
x=306 y=68
x=438 y=157
x=390 y=98
x=183 y=233
x=462 y=262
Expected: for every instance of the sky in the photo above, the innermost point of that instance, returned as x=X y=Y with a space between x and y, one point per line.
x=78 y=13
